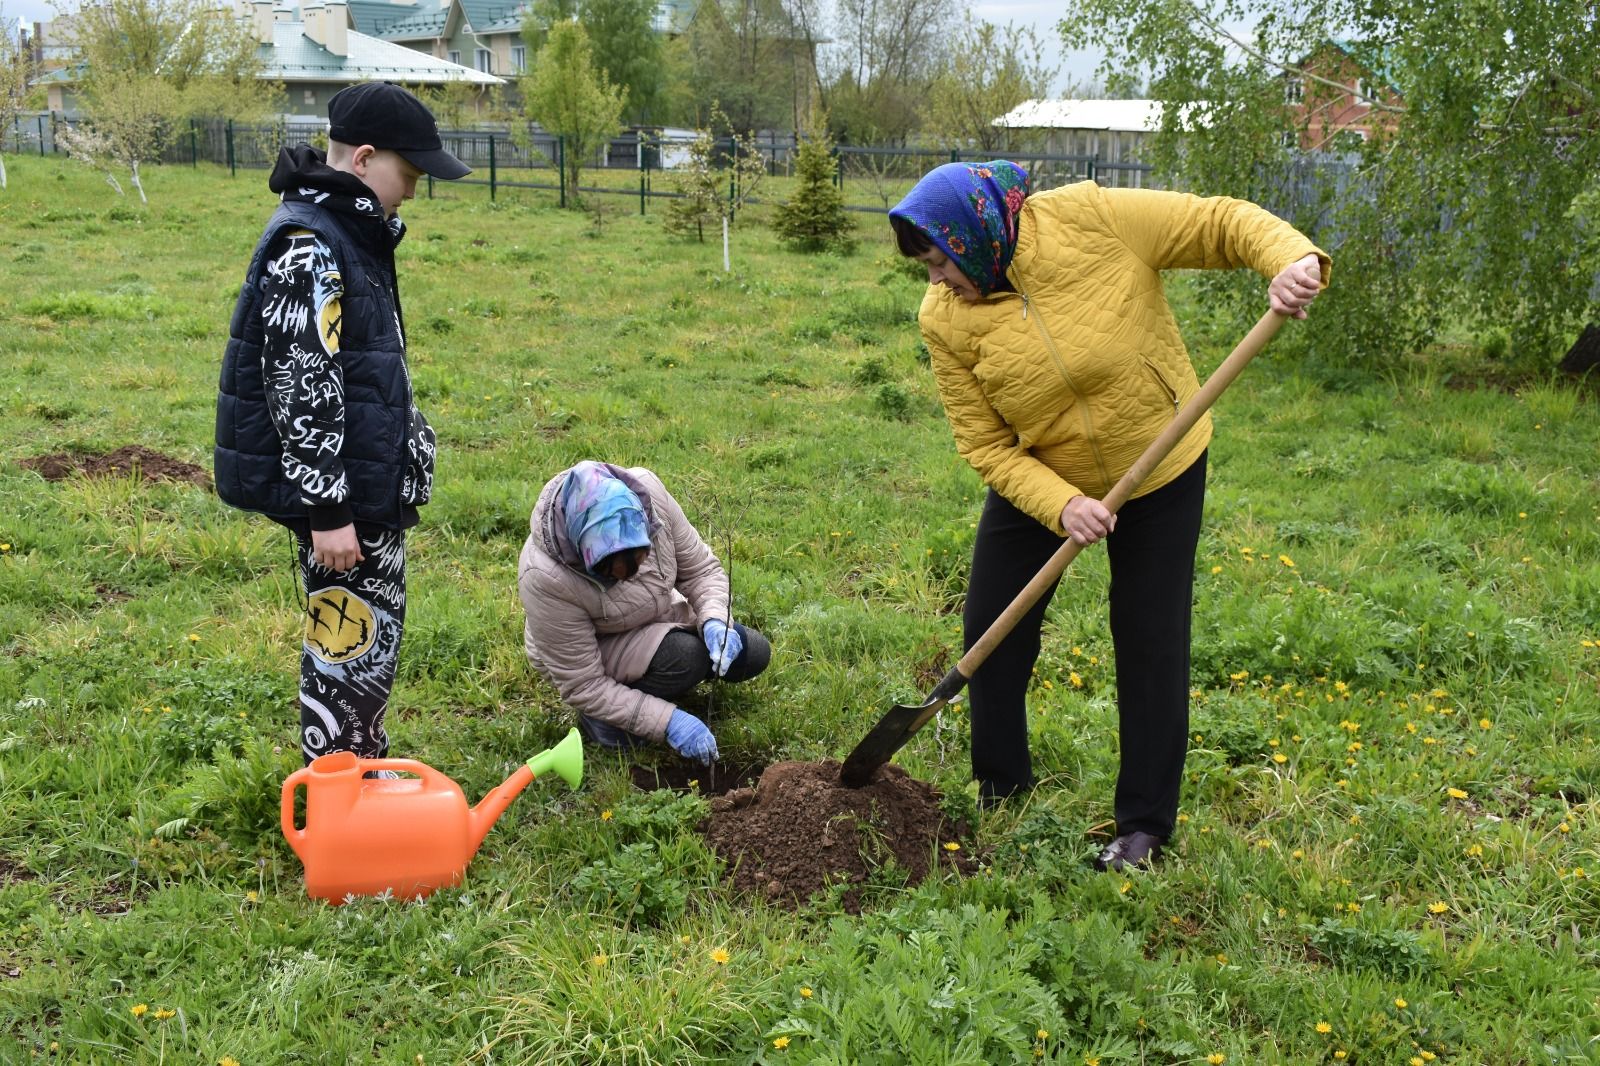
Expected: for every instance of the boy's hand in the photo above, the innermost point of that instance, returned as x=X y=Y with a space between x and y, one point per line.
x=336 y=549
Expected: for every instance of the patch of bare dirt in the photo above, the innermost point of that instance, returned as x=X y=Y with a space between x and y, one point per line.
x=799 y=830
x=147 y=464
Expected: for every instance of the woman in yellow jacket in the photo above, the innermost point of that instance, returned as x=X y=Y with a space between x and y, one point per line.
x=1058 y=361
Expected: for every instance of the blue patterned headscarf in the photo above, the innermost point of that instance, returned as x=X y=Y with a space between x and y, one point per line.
x=969 y=210
x=604 y=516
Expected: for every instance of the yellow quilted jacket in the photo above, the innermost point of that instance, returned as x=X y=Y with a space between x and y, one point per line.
x=1053 y=391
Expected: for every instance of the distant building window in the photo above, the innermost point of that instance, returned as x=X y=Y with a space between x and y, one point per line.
x=1290 y=139
x=1363 y=91
x=1294 y=90
x=519 y=58
x=661 y=21
x=454 y=56
x=311 y=97
x=483 y=59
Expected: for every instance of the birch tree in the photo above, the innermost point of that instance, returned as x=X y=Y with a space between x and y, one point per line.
x=1464 y=203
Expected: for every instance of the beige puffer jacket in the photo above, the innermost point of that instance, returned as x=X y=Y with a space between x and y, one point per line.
x=1053 y=391
x=589 y=641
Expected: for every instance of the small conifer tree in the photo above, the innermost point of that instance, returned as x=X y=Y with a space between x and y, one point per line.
x=815 y=220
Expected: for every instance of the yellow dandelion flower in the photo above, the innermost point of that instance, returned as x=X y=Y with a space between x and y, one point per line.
x=781 y=1042
x=1577 y=871
x=1043 y=1034
x=1222 y=960
x=1285 y=560
x=1091 y=1060
x=1355 y=745
x=1438 y=907
x=1340 y=1054
x=1263 y=843
x=164 y=1014
x=1563 y=828
x=1353 y=908
x=1123 y=888
x=194 y=638
x=605 y=816
x=805 y=992
x=1400 y=1004
x=1324 y=1027
x=1216 y=1058
x=1216 y=569
x=951 y=845
x=5 y=547
x=1077 y=682
x=251 y=896
x=227 y=1060
x=1279 y=757
x=1182 y=818
x=598 y=959
x=1475 y=851
x=684 y=940
x=1430 y=740
x=1076 y=650
x=1415 y=1060
x=1455 y=793
x=1411 y=727
x=1427 y=1056
x=1273 y=743
x=1240 y=676
x=1484 y=723
x=720 y=956
x=1297 y=854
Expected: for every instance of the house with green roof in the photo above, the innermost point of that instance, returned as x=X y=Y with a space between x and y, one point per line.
x=314 y=50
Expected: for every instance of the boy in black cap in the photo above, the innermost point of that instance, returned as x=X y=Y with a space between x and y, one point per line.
x=316 y=424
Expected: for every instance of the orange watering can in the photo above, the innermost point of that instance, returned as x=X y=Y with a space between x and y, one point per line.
x=405 y=836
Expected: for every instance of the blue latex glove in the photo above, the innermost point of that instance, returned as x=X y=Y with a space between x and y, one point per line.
x=690 y=738
x=723 y=643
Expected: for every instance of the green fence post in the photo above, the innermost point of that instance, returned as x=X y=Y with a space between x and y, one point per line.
x=41 y=132
x=491 y=168
x=233 y=162
x=1091 y=165
x=194 y=145
x=953 y=154
x=561 y=164
x=641 y=191
x=430 y=186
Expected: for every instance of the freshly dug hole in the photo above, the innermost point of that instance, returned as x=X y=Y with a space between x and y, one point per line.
x=799 y=830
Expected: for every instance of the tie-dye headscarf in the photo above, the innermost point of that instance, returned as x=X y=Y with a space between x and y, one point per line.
x=969 y=210
x=603 y=515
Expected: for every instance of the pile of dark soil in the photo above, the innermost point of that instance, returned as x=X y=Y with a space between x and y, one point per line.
x=151 y=466
x=799 y=831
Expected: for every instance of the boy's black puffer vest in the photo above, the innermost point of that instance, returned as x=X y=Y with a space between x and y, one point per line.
x=378 y=399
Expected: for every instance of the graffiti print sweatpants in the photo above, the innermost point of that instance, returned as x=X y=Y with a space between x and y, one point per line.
x=353 y=624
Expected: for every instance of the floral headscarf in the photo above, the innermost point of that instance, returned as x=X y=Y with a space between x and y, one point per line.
x=969 y=210
x=604 y=516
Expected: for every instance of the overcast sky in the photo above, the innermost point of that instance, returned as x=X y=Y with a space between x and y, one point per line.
x=1042 y=15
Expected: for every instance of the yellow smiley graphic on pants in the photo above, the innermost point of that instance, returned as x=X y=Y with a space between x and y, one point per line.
x=339 y=625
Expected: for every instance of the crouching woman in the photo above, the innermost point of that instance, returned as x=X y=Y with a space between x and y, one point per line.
x=628 y=609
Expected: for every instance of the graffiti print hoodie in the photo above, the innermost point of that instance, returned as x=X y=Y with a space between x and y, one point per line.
x=318 y=346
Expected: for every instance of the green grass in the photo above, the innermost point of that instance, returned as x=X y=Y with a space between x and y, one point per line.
x=1398 y=595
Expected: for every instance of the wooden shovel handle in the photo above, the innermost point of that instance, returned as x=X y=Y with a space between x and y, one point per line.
x=1263 y=331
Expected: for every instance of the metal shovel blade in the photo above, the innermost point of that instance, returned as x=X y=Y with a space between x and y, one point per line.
x=898 y=724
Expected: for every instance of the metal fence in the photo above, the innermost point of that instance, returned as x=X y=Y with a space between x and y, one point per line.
x=527 y=157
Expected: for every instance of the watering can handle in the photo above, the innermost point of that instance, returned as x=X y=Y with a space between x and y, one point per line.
x=295 y=837
x=406 y=766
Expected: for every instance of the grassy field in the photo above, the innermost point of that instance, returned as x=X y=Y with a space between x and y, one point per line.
x=1389 y=842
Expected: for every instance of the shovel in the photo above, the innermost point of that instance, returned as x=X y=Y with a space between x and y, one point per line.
x=901 y=723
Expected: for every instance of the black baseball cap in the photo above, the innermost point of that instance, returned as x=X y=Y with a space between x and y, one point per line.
x=384 y=115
